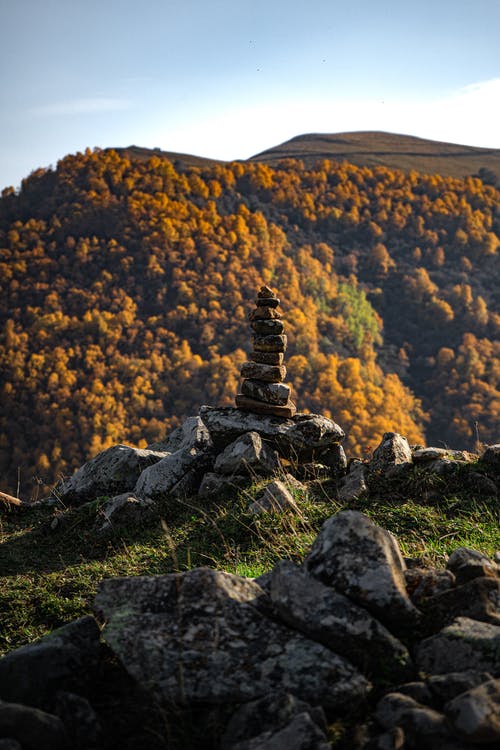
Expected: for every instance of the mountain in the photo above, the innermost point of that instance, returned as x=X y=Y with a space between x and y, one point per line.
x=371 y=149
x=364 y=148
x=127 y=281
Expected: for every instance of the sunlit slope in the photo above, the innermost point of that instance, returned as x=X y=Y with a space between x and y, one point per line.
x=127 y=283
x=371 y=148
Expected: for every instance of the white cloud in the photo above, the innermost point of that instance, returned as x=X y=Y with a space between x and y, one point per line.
x=88 y=106
x=469 y=115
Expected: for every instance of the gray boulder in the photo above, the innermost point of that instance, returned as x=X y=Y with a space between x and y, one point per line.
x=467 y=564
x=64 y=659
x=301 y=733
x=393 y=451
x=202 y=637
x=417 y=690
x=463 y=645
x=423 y=583
x=124 y=510
x=334 y=458
x=80 y=721
x=320 y=613
x=478 y=599
x=275 y=499
x=9 y=743
x=363 y=561
x=248 y=454
x=445 y=687
x=32 y=728
x=475 y=714
x=214 y=485
x=491 y=457
x=111 y=472
x=417 y=721
x=296 y=438
x=268 y=715
x=423 y=455
x=192 y=433
x=354 y=484
x=176 y=475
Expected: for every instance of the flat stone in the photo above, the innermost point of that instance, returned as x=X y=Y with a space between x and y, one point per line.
x=268 y=358
x=320 y=613
x=111 y=472
x=467 y=564
x=277 y=394
x=200 y=637
x=475 y=715
x=363 y=561
x=259 y=407
x=423 y=455
x=275 y=499
x=268 y=302
x=267 y=327
x=270 y=343
x=264 y=313
x=268 y=373
x=265 y=292
x=465 y=644
x=296 y=438
x=248 y=454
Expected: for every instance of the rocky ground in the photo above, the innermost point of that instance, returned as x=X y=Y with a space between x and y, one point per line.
x=353 y=646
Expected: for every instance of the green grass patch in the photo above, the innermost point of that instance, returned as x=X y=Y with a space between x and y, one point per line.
x=48 y=576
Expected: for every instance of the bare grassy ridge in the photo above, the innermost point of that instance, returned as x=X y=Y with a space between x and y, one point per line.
x=363 y=148
x=372 y=148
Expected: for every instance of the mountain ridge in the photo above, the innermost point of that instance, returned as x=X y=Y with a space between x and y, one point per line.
x=363 y=148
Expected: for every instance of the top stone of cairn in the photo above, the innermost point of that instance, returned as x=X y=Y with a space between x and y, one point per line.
x=263 y=390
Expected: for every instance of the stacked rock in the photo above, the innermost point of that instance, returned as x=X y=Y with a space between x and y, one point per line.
x=263 y=390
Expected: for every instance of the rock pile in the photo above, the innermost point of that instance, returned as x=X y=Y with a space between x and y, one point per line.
x=263 y=390
x=399 y=657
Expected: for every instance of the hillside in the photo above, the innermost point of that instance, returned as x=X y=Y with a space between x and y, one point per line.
x=193 y=598
x=372 y=149
x=127 y=282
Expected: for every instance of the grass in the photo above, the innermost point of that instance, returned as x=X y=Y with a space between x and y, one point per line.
x=373 y=148
x=49 y=576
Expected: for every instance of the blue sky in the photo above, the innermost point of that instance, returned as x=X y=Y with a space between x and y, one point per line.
x=229 y=78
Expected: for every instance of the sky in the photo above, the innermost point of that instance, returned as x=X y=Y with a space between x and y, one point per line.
x=227 y=79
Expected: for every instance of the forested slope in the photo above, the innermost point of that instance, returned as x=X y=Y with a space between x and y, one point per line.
x=126 y=285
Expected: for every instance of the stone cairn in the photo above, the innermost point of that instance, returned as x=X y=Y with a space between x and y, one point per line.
x=263 y=390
